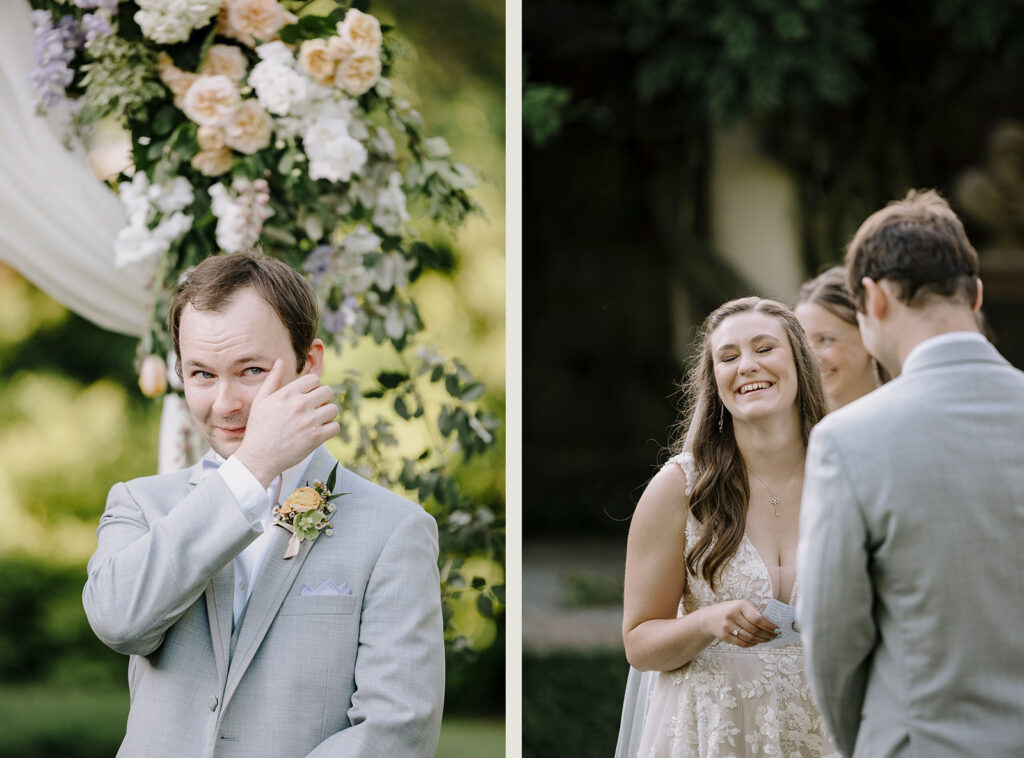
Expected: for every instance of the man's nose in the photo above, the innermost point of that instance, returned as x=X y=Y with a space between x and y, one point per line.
x=229 y=398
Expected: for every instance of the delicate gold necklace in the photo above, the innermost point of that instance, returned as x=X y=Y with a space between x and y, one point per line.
x=775 y=498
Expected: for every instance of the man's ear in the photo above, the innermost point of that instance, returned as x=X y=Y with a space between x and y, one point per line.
x=978 y=298
x=876 y=299
x=314 y=358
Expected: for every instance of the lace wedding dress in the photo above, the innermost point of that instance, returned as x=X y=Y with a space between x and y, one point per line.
x=732 y=702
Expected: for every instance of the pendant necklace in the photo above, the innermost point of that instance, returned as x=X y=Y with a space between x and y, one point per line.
x=775 y=498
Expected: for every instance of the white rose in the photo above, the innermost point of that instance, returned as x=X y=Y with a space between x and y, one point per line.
x=252 y=21
x=210 y=100
x=358 y=73
x=276 y=52
x=361 y=30
x=279 y=88
x=332 y=153
x=173 y=195
x=227 y=60
x=248 y=129
x=133 y=244
x=167 y=21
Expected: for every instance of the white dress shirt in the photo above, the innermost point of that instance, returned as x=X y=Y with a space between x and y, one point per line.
x=257 y=505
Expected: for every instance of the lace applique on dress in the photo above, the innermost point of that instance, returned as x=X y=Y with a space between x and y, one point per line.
x=731 y=702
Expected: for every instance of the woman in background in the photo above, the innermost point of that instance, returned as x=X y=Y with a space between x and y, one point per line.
x=827 y=313
x=713 y=543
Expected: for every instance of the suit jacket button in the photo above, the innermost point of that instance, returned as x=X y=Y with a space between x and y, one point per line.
x=213 y=703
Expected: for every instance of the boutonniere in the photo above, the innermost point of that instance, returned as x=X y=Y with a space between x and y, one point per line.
x=306 y=513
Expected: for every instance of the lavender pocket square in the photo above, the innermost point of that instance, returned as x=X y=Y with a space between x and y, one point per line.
x=327 y=588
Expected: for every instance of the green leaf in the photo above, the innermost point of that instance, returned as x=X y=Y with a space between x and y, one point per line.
x=472 y=391
x=401 y=409
x=391 y=379
x=163 y=120
x=485 y=607
x=479 y=582
x=332 y=478
x=451 y=383
x=437 y=373
x=499 y=592
x=445 y=422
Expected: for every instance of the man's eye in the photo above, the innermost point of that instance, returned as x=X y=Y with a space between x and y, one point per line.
x=253 y=371
x=202 y=375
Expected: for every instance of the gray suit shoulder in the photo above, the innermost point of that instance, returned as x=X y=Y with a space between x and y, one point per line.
x=364 y=494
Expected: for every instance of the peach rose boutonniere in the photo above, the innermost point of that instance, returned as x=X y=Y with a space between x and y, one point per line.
x=306 y=513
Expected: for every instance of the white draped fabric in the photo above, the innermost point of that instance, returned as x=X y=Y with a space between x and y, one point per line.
x=58 y=222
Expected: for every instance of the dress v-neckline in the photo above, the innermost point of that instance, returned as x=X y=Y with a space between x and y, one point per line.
x=767 y=573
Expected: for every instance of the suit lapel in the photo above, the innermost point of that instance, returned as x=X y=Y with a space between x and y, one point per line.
x=220 y=600
x=275 y=578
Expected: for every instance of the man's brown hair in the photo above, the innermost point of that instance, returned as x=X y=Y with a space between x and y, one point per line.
x=919 y=245
x=214 y=283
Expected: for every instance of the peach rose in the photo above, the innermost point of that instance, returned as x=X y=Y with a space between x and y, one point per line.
x=317 y=60
x=362 y=30
x=339 y=47
x=250 y=21
x=358 y=73
x=227 y=60
x=153 y=376
x=213 y=162
x=179 y=87
x=210 y=138
x=248 y=129
x=302 y=500
x=210 y=100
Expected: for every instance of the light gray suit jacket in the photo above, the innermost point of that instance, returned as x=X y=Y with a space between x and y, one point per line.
x=355 y=675
x=911 y=561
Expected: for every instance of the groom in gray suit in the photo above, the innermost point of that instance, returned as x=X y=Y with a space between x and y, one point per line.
x=910 y=560
x=236 y=648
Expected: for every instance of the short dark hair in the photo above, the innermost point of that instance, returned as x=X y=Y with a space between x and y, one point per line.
x=919 y=244
x=213 y=284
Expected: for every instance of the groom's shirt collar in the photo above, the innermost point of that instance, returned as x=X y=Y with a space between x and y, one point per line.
x=941 y=340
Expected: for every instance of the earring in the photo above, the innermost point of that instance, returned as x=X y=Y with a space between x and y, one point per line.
x=721 y=418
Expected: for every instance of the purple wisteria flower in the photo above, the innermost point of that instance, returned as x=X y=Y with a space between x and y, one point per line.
x=335 y=322
x=95 y=25
x=55 y=47
x=319 y=261
x=110 y=6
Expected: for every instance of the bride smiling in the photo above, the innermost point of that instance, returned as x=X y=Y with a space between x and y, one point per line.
x=713 y=544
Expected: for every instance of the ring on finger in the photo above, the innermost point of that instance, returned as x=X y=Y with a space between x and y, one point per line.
x=736 y=632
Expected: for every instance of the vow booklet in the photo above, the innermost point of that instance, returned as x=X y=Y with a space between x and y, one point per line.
x=783 y=616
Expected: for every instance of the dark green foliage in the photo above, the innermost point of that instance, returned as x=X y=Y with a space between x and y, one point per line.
x=572 y=702
x=43 y=630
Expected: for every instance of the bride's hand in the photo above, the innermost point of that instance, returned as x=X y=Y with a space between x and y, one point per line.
x=739 y=623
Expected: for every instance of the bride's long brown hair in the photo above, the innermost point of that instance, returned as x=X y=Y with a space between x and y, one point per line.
x=718 y=499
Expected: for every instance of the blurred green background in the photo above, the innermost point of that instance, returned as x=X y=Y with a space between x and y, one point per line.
x=680 y=153
x=72 y=422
